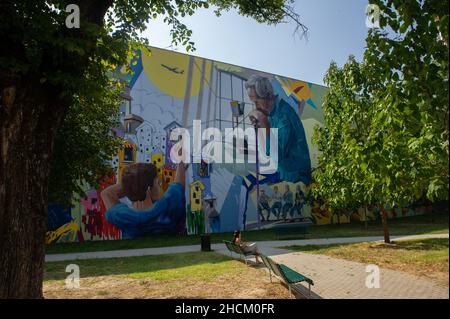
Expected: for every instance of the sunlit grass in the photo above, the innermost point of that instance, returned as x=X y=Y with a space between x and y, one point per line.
x=184 y=275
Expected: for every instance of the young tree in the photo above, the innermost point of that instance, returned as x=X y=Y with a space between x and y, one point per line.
x=50 y=73
x=409 y=56
x=344 y=177
x=385 y=139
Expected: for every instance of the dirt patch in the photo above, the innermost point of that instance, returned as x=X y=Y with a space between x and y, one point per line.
x=252 y=283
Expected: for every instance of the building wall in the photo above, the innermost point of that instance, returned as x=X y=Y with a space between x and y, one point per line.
x=170 y=89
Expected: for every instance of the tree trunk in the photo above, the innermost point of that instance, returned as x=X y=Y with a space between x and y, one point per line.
x=30 y=115
x=29 y=118
x=365 y=217
x=384 y=218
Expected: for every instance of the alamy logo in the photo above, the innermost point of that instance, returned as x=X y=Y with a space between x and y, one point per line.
x=73 y=19
x=235 y=146
x=73 y=279
x=373 y=279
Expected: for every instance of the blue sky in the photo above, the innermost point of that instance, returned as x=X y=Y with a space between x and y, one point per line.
x=336 y=29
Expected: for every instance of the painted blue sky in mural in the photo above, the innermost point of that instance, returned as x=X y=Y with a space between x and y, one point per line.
x=336 y=30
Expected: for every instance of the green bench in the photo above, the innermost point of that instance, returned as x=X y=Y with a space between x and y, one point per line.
x=290 y=229
x=233 y=248
x=289 y=276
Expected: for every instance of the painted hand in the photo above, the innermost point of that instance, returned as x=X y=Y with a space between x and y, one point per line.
x=259 y=118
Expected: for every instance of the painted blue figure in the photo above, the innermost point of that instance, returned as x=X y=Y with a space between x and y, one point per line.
x=276 y=202
x=299 y=201
x=264 y=205
x=294 y=163
x=150 y=214
x=288 y=202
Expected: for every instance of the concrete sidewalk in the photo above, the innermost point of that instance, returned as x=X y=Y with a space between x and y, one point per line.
x=342 y=279
x=267 y=247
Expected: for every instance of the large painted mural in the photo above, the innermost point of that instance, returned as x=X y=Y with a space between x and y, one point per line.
x=168 y=90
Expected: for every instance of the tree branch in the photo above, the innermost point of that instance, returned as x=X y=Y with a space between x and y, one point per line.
x=290 y=12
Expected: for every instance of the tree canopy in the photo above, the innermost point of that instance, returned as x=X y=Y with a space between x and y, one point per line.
x=385 y=138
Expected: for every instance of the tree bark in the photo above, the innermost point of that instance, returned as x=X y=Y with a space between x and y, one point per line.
x=29 y=118
x=30 y=114
x=365 y=217
x=384 y=218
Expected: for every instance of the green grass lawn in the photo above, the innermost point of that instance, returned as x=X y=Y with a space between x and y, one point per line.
x=423 y=257
x=424 y=224
x=203 y=266
x=185 y=275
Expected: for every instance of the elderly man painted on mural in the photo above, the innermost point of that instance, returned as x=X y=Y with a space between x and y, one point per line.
x=294 y=164
x=271 y=111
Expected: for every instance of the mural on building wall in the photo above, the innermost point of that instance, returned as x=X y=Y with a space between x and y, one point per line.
x=168 y=90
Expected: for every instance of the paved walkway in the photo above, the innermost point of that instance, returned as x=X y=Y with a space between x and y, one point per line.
x=267 y=247
x=333 y=278
x=341 y=279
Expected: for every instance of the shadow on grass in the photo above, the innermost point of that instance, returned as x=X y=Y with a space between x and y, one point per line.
x=411 y=225
x=422 y=244
x=417 y=244
x=312 y=248
x=178 y=264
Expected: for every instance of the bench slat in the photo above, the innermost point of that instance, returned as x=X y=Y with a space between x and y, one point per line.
x=292 y=276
